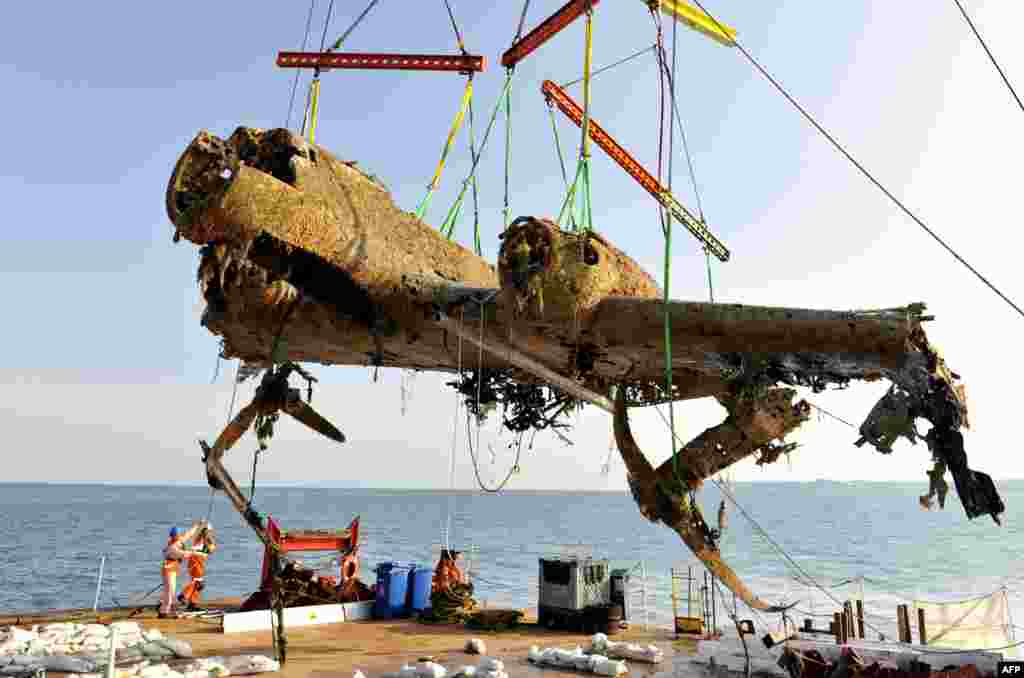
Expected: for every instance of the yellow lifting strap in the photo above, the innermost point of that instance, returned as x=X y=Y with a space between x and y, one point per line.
x=696 y=19
x=312 y=110
x=314 y=107
x=467 y=95
x=456 y=125
x=587 y=57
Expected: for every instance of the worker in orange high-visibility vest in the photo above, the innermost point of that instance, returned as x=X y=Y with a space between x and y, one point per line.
x=174 y=554
x=202 y=547
x=448 y=573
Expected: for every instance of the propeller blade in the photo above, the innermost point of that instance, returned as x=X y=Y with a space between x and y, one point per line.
x=303 y=412
x=235 y=430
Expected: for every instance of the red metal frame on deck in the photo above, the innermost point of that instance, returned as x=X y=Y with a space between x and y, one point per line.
x=522 y=48
x=344 y=542
x=324 y=61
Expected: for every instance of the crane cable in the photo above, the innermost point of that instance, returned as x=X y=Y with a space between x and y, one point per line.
x=295 y=81
x=467 y=98
x=313 y=98
x=839 y=147
x=990 y=55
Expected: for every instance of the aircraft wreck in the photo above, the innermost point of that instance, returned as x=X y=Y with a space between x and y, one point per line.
x=305 y=258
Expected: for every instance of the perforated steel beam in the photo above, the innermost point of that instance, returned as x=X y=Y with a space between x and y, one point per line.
x=555 y=94
x=547 y=29
x=325 y=61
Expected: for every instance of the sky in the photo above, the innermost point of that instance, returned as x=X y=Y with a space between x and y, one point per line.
x=107 y=376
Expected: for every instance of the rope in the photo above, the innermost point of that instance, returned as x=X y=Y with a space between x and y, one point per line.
x=601 y=70
x=522 y=22
x=216 y=367
x=448 y=226
x=469 y=441
x=582 y=178
x=666 y=228
x=344 y=36
x=455 y=27
x=455 y=439
x=506 y=211
x=558 y=144
x=252 y=482
x=837 y=418
x=839 y=147
x=989 y=53
x=679 y=124
x=477 y=246
x=295 y=81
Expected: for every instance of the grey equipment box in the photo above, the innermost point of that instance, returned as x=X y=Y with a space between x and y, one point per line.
x=569 y=588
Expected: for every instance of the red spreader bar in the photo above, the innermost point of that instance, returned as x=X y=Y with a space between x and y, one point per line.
x=402 y=62
x=556 y=94
x=522 y=47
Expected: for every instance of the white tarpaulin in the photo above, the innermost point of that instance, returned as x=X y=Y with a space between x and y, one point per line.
x=976 y=623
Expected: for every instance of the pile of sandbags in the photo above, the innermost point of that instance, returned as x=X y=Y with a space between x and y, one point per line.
x=577 y=660
x=600 y=644
x=487 y=667
x=84 y=650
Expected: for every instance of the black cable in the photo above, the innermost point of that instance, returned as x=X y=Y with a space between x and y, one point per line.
x=859 y=166
x=989 y=53
x=686 y=145
x=344 y=36
x=601 y=70
x=522 y=22
x=824 y=411
x=295 y=81
x=327 y=22
x=455 y=26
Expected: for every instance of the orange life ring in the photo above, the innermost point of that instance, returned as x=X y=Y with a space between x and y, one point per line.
x=349 y=567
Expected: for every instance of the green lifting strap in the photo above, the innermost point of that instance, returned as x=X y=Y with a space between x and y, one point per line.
x=448 y=226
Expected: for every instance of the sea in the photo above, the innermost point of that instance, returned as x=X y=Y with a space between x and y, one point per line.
x=813 y=544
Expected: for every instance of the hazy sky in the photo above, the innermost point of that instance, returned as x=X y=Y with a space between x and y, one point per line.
x=105 y=371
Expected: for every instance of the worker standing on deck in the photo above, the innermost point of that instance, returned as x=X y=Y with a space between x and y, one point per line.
x=448 y=572
x=174 y=553
x=202 y=547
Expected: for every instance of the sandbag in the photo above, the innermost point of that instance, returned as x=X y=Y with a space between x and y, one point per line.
x=249 y=664
x=156 y=649
x=19 y=671
x=66 y=664
x=430 y=670
x=179 y=648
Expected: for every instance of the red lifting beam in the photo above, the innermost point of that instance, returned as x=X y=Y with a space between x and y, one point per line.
x=463 y=63
x=553 y=92
x=545 y=31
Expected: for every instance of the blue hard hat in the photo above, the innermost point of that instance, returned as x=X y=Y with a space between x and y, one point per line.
x=174 y=532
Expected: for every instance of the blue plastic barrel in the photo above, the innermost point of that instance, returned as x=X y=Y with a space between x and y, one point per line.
x=420 y=580
x=392 y=590
x=381 y=609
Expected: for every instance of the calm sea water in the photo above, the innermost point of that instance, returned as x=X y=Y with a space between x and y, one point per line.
x=53 y=536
